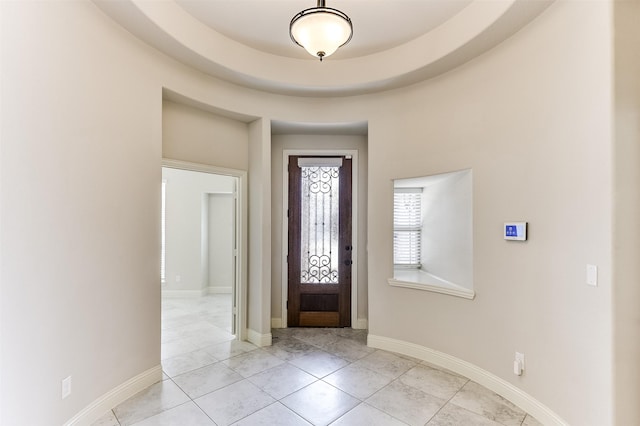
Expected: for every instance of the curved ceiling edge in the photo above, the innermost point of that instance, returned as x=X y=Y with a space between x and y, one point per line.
x=354 y=128
x=471 y=32
x=179 y=98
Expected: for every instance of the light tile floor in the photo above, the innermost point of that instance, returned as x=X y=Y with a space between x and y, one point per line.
x=308 y=376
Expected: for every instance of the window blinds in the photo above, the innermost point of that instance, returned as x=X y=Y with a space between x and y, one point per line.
x=407 y=226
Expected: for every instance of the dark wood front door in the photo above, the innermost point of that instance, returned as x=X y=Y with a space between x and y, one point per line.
x=319 y=257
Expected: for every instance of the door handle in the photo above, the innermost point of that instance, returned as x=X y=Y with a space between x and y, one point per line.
x=348 y=262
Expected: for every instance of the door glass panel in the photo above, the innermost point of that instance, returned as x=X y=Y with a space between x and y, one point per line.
x=319 y=230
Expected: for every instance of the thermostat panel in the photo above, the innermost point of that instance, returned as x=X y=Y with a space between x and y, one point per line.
x=515 y=231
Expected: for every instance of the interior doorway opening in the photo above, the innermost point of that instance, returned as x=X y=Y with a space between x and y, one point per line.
x=203 y=256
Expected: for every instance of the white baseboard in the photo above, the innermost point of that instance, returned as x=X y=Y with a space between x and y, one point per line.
x=117 y=395
x=260 y=340
x=361 y=324
x=276 y=322
x=184 y=293
x=523 y=400
x=219 y=290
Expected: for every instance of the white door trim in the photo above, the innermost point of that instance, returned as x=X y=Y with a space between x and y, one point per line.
x=354 y=224
x=241 y=234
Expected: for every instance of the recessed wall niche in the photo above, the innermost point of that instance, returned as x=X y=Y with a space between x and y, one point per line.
x=433 y=233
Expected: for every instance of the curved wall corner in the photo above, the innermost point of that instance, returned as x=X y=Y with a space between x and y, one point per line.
x=542 y=96
x=116 y=396
x=503 y=388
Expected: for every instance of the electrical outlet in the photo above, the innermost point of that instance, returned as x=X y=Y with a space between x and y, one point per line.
x=520 y=357
x=66 y=387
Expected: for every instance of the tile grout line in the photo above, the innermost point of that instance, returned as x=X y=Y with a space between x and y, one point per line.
x=448 y=401
x=114 y=415
x=327 y=343
x=321 y=379
x=189 y=396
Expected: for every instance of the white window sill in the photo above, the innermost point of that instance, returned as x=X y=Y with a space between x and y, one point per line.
x=421 y=280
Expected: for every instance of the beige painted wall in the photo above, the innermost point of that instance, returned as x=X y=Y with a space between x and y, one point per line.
x=191 y=134
x=80 y=210
x=316 y=142
x=188 y=214
x=82 y=137
x=532 y=118
x=626 y=229
x=221 y=244
x=259 y=287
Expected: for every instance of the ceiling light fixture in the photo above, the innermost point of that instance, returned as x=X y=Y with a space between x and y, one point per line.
x=321 y=30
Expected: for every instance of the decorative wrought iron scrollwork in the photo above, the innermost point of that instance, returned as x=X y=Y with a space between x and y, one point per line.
x=319 y=251
x=319 y=270
x=320 y=178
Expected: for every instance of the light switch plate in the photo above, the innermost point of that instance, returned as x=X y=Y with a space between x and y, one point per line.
x=515 y=231
x=66 y=387
x=592 y=275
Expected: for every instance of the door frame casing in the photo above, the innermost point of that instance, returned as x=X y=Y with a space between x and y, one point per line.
x=354 y=224
x=240 y=302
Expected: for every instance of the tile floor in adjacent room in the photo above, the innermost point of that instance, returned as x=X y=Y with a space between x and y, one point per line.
x=308 y=376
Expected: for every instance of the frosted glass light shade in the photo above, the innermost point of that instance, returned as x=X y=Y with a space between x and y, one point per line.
x=321 y=30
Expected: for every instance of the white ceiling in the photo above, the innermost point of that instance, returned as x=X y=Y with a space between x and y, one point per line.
x=378 y=24
x=395 y=42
